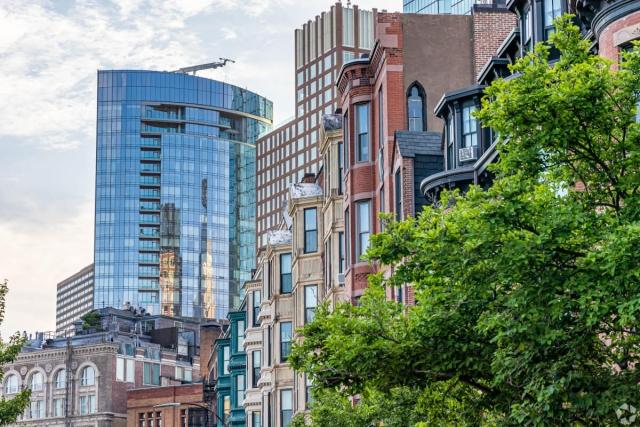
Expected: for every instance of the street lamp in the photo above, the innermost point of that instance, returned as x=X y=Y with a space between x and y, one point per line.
x=177 y=405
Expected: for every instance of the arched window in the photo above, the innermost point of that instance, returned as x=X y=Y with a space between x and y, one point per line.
x=11 y=384
x=60 y=379
x=415 y=108
x=37 y=381
x=88 y=376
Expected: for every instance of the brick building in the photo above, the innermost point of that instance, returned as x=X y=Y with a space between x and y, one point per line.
x=468 y=148
x=322 y=46
x=83 y=380
x=390 y=130
x=168 y=406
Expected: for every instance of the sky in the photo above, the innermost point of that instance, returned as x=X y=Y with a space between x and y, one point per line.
x=49 y=54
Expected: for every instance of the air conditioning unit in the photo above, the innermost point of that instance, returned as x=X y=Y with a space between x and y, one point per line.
x=340 y=279
x=466 y=154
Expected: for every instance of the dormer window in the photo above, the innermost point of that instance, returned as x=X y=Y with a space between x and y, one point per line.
x=415 y=108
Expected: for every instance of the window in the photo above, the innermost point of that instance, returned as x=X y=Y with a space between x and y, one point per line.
x=527 y=29
x=256 y=361
x=285 y=340
x=345 y=137
x=310 y=302
x=184 y=374
x=347 y=27
x=239 y=390
x=380 y=118
x=88 y=376
x=37 y=382
x=59 y=407
x=87 y=404
x=226 y=409
x=285 y=274
x=256 y=419
x=398 y=192
x=552 y=9
x=36 y=409
x=255 y=301
x=415 y=109
x=240 y=335
x=226 y=356
x=365 y=35
x=347 y=230
x=363 y=225
x=340 y=166
x=382 y=207
x=450 y=143
x=469 y=126
x=341 y=263
x=307 y=390
x=362 y=126
x=60 y=381
x=11 y=384
x=310 y=231
x=125 y=370
x=151 y=374
x=286 y=407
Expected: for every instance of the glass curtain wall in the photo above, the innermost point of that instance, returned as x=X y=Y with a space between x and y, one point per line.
x=175 y=192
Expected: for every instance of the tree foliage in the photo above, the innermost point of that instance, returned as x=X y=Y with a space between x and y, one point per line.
x=13 y=407
x=528 y=293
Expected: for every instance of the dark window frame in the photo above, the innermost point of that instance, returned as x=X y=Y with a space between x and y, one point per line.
x=308 y=232
x=309 y=311
x=422 y=96
x=286 y=280
x=363 y=135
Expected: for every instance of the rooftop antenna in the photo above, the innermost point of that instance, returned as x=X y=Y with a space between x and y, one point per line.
x=209 y=66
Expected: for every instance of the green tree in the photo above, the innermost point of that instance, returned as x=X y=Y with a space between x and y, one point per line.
x=13 y=407
x=528 y=293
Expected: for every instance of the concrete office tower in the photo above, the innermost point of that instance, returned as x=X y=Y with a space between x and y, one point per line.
x=175 y=192
x=74 y=299
x=322 y=46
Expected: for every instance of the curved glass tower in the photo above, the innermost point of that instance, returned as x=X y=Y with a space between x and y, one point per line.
x=175 y=192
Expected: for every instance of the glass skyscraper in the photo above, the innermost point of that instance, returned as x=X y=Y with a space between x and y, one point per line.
x=437 y=7
x=175 y=192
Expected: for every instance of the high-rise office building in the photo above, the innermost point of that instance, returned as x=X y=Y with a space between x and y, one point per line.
x=175 y=191
x=322 y=46
x=74 y=299
x=441 y=7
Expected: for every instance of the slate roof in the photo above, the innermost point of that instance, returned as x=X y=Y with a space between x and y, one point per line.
x=411 y=144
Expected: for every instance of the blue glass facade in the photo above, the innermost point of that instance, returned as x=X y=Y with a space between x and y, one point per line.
x=436 y=7
x=175 y=191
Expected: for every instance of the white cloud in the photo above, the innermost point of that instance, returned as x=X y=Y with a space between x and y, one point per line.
x=48 y=61
x=228 y=33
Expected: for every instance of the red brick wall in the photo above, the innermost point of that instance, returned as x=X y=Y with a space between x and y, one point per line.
x=408 y=204
x=607 y=40
x=490 y=28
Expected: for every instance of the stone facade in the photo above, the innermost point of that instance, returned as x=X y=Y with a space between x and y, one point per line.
x=78 y=386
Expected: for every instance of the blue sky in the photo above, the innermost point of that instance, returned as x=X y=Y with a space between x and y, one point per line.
x=49 y=54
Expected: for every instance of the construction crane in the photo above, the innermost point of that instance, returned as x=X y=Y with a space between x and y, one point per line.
x=209 y=66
